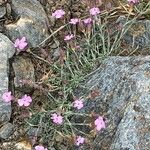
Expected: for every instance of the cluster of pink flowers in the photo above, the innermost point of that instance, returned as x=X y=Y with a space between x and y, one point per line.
x=24 y=101
x=78 y=104
x=99 y=123
x=60 y=13
x=21 y=44
x=58 y=119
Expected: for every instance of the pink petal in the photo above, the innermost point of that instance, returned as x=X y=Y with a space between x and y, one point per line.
x=6 y=100
x=58 y=13
x=58 y=16
x=94 y=11
x=22 y=45
x=39 y=147
x=26 y=104
x=80 y=140
x=7 y=97
x=60 y=119
x=20 y=102
x=96 y=122
x=78 y=104
x=103 y=125
x=98 y=127
x=99 y=123
x=29 y=99
x=53 y=116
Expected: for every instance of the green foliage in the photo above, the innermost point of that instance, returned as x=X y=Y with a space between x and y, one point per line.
x=96 y=42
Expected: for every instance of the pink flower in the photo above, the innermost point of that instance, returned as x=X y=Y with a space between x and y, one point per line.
x=7 y=97
x=58 y=13
x=99 y=123
x=133 y=1
x=74 y=21
x=25 y=100
x=68 y=37
x=87 y=21
x=40 y=147
x=80 y=140
x=21 y=43
x=58 y=119
x=94 y=11
x=78 y=104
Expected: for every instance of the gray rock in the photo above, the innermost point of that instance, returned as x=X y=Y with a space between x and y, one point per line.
x=124 y=87
x=6 y=50
x=43 y=2
x=32 y=22
x=8 y=9
x=133 y=130
x=6 y=130
x=2 y=11
x=138 y=34
x=24 y=71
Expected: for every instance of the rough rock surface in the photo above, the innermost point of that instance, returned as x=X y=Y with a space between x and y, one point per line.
x=24 y=70
x=2 y=11
x=6 y=51
x=139 y=34
x=32 y=22
x=6 y=130
x=15 y=145
x=124 y=101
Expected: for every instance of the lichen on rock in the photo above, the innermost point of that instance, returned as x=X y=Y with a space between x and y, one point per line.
x=124 y=84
